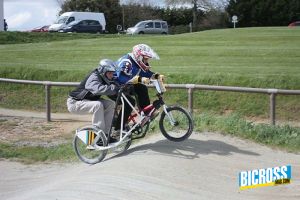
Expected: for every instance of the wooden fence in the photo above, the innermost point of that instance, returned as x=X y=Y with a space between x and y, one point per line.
x=189 y=87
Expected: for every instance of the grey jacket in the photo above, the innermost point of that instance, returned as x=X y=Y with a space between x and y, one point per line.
x=93 y=86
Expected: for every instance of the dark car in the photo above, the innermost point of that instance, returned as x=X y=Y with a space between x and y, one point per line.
x=40 y=29
x=84 y=26
x=294 y=24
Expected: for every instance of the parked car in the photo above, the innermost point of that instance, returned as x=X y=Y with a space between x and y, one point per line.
x=41 y=29
x=294 y=24
x=84 y=26
x=149 y=27
x=66 y=18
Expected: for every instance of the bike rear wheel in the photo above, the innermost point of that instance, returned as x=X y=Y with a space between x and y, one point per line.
x=177 y=125
x=84 y=145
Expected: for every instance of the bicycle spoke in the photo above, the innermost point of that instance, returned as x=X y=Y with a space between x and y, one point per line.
x=87 y=151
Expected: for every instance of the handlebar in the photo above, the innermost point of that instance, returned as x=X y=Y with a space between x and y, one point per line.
x=158 y=83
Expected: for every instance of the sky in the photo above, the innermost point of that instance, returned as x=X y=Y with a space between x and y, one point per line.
x=23 y=15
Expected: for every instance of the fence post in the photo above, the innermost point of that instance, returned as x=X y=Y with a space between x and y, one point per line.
x=272 y=108
x=190 y=96
x=47 y=99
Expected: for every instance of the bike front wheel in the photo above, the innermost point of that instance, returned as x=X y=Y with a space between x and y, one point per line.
x=85 y=145
x=177 y=124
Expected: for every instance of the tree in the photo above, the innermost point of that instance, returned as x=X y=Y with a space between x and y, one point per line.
x=198 y=5
x=60 y=2
x=264 y=13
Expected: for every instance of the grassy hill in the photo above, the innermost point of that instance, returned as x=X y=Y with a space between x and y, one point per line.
x=251 y=57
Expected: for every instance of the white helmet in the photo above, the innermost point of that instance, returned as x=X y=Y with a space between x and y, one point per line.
x=141 y=51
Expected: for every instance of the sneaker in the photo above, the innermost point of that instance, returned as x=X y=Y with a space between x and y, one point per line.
x=116 y=133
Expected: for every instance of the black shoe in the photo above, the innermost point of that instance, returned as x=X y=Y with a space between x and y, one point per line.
x=100 y=142
x=113 y=140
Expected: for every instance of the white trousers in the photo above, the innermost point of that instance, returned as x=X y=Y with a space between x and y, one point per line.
x=102 y=110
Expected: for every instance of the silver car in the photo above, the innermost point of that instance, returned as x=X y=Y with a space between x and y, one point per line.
x=149 y=27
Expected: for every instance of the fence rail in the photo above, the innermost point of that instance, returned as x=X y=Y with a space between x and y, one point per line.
x=190 y=87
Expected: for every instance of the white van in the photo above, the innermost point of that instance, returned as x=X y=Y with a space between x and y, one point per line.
x=68 y=17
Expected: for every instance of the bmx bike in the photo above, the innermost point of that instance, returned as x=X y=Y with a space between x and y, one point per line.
x=176 y=124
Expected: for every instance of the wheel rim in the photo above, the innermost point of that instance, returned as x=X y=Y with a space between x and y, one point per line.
x=89 y=154
x=181 y=127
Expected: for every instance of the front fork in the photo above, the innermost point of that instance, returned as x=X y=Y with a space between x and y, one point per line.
x=160 y=102
x=169 y=115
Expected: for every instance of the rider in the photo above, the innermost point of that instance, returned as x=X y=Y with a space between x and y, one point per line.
x=134 y=67
x=86 y=98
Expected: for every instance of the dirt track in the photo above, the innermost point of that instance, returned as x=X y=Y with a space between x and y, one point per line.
x=204 y=167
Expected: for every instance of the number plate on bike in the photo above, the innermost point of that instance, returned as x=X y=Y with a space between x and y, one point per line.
x=86 y=136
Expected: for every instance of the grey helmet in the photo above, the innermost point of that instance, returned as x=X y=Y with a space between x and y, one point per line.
x=106 y=65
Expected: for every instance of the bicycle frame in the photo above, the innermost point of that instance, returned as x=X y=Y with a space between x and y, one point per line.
x=136 y=114
x=175 y=124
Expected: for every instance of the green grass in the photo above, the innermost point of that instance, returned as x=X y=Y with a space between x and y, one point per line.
x=33 y=154
x=247 y=57
x=29 y=37
x=283 y=137
x=226 y=56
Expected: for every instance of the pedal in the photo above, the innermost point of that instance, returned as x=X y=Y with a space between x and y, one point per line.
x=90 y=147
